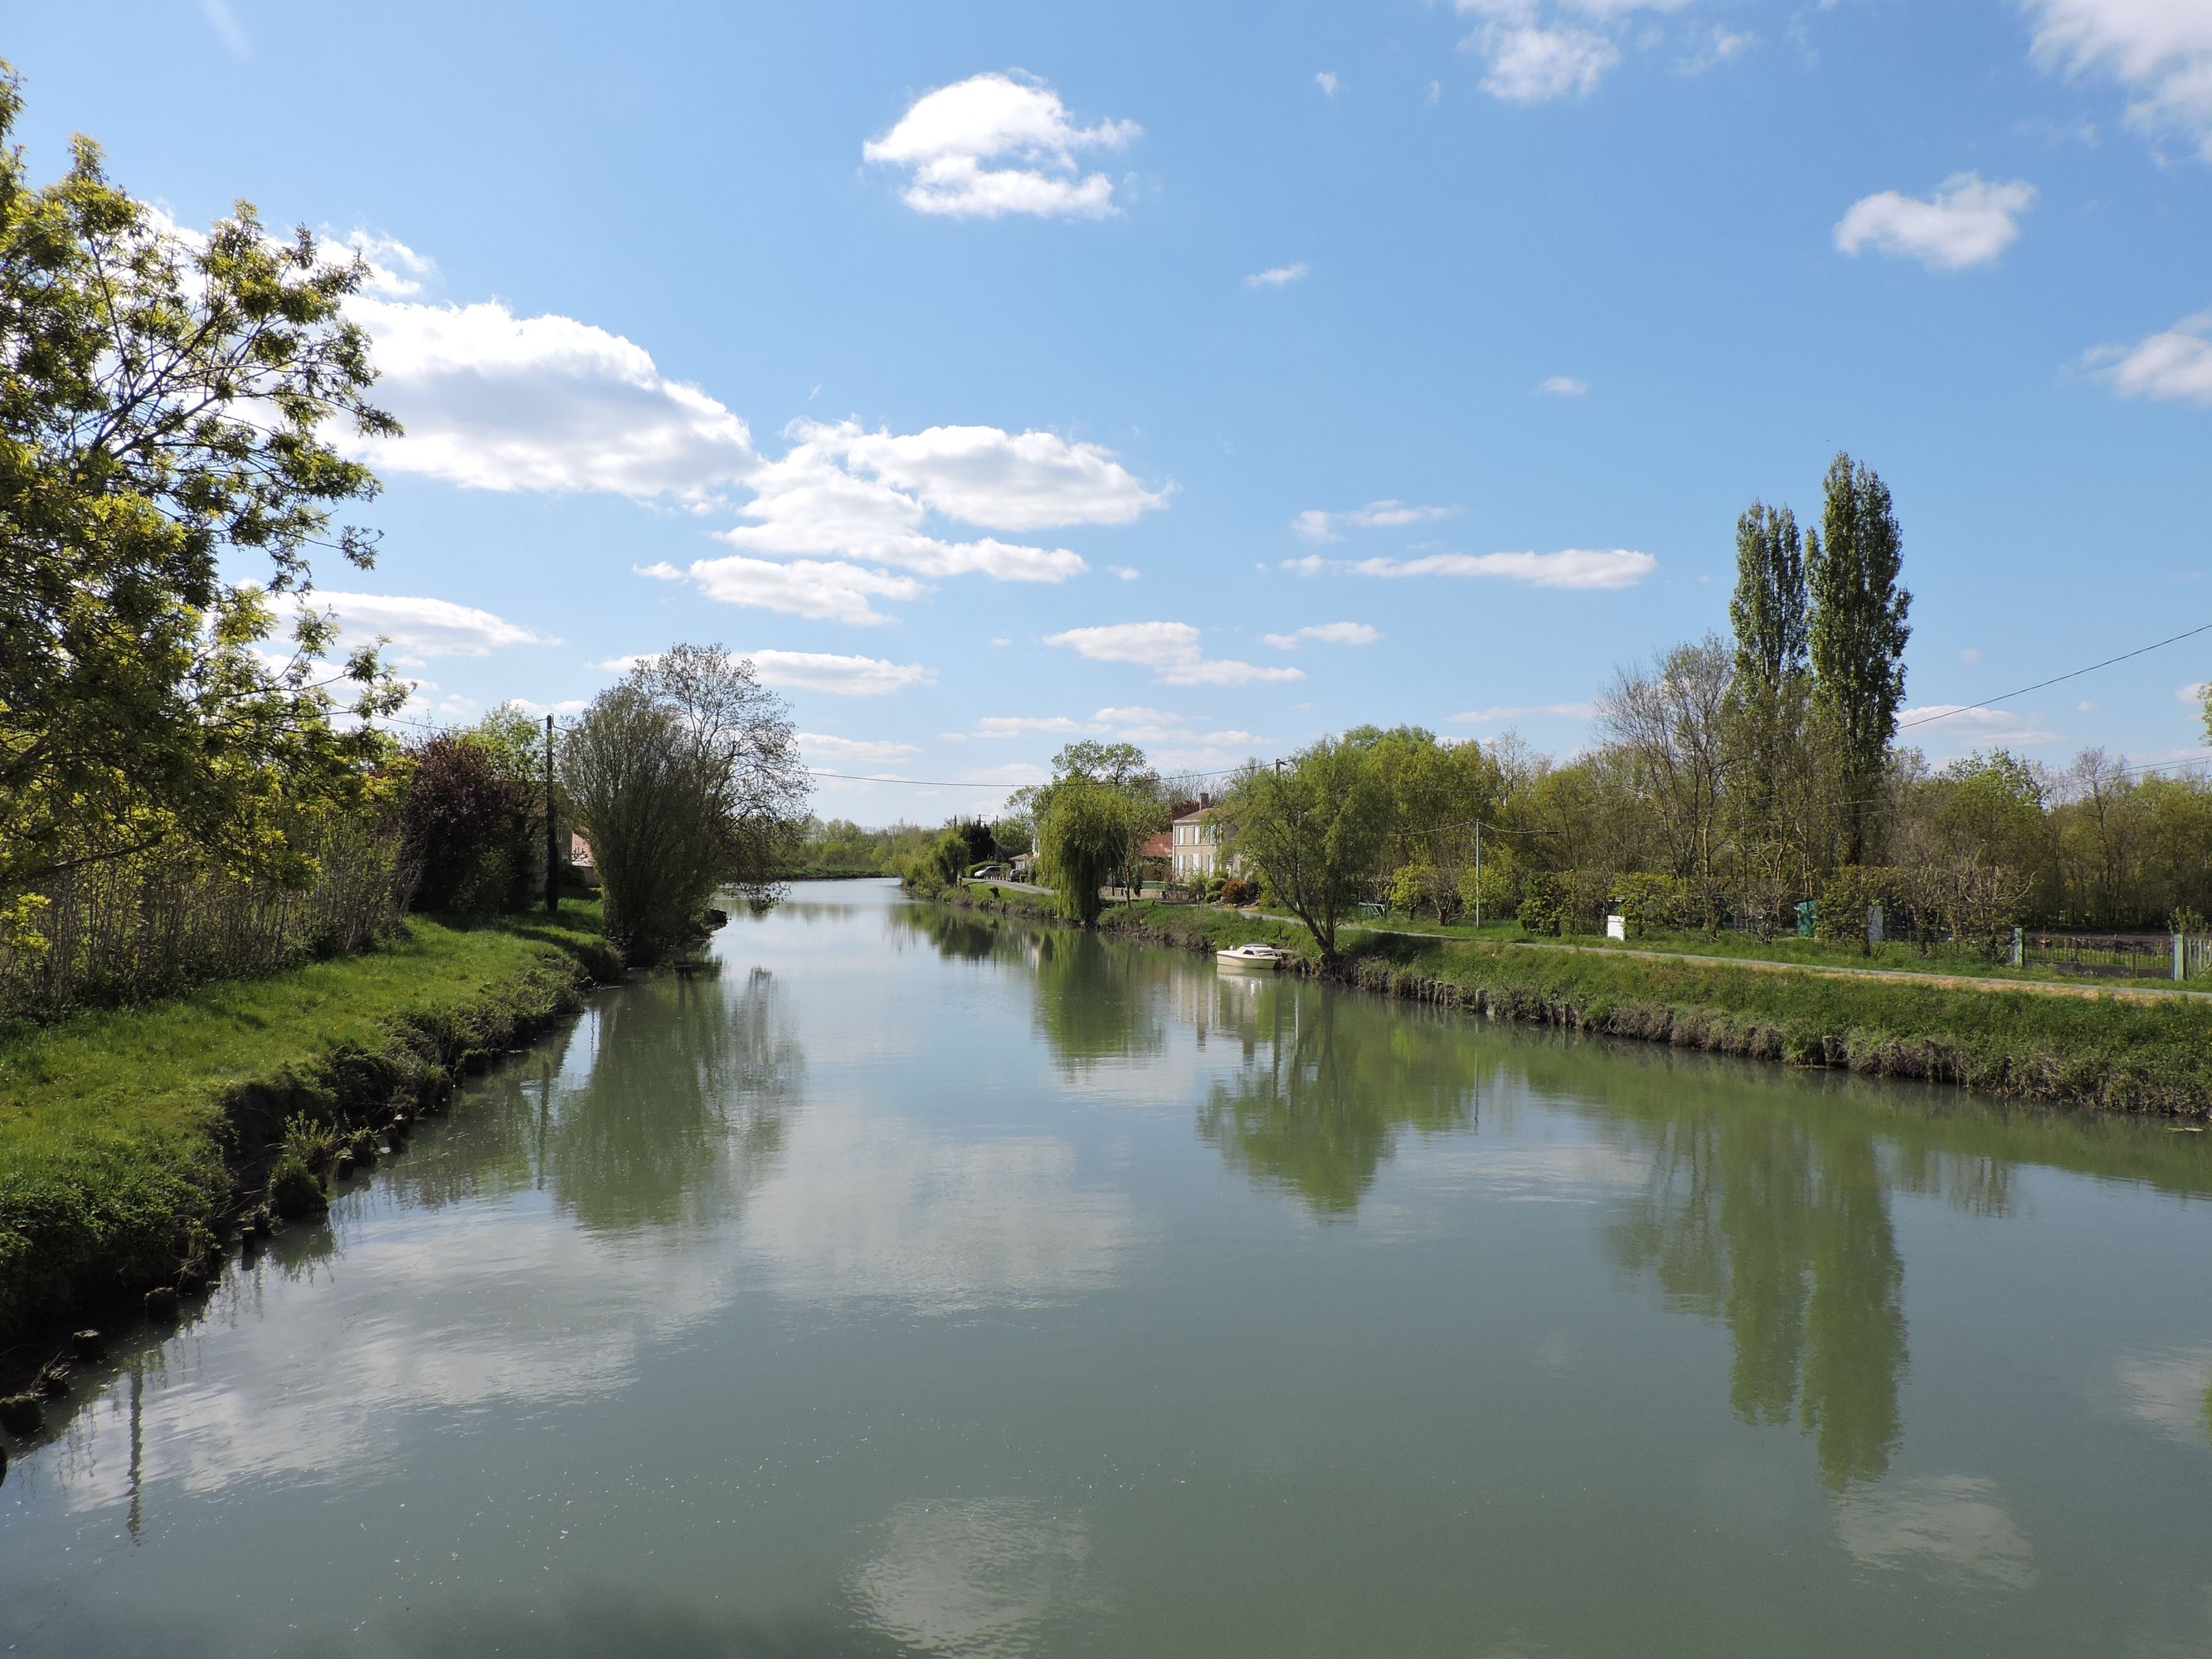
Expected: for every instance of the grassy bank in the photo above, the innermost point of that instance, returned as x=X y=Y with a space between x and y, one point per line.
x=128 y=1138
x=2086 y=1050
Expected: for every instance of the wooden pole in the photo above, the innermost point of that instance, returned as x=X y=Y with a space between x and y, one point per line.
x=552 y=858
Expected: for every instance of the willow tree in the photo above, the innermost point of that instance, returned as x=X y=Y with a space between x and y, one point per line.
x=173 y=413
x=1858 y=637
x=685 y=779
x=1083 y=841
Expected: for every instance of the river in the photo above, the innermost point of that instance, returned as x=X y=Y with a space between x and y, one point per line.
x=914 y=1284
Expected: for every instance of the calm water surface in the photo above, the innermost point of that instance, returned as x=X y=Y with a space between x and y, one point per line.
x=917 y=1285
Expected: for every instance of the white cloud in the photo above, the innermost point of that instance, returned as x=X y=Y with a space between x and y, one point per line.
x=823 y=590
x=224 y=21
x=395 y=270
x=1946 y=729
x=422 y=627
x=1338 y=633
x=949 y=139
x=824 y=746
x=1317 y=526
x=1277 y=275
x=845 y=493
x=1969 y=222
x=1123 y=572
x=1563 y=385
x=1326 y=81
x=2193 y=693
x=2161 y=50
x=1721 y=46
x=496 y=401
x=1969 y=654
x=565 y=708
x=1533 y=65
x=1507 y=712
x=1170 y=650
x=838 y=676
x=2176 y=364
x=1574 y=567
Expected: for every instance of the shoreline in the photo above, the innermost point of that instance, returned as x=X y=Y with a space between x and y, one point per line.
x=126 y=1204
x=2083 y=1051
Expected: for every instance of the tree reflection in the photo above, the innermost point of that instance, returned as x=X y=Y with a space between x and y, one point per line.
x=683 y=1108
x=1327 y=1088
x=1096 y=1002
x=1780 y=1227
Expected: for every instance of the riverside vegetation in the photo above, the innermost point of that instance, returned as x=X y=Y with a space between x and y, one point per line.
x=245 y=931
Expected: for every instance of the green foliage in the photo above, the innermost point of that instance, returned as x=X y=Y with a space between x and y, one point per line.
x=685 y=778
x=113 y=1125
x=461 y=819
x=1083 y=838
x=310 y=1138
x=1847 y=894
x=172 y=410
x=295 y=1190
x=1858 y=634
x=1650 y=902
x=1543 y=908
x=1315 y=828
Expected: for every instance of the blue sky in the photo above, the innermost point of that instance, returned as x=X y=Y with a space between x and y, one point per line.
x=998 y=374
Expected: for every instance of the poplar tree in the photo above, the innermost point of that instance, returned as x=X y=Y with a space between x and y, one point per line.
x=1765 y=697
x=1858 y=637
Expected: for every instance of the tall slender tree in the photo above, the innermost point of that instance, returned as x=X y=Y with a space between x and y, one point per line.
x=1858 y=637
x=1771 y=613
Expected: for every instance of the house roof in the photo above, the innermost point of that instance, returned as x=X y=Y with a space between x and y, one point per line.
x=1202 y=812
x=1156 y=847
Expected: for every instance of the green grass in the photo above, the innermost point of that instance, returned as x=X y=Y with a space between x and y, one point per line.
x=2122 y=1055
x=124 y=1132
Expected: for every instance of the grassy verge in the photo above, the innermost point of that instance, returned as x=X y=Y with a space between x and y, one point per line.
x=2117 y=1055
x=126 y=1136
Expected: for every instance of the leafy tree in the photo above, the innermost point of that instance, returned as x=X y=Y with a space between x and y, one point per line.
x=1669 y=721
x=1858 y=637
x=1315 y=827
x=1083 y=841
x=461 y=811
x=1769 y=613
x=1122 y=769
x=685 y=779
x=169 y=408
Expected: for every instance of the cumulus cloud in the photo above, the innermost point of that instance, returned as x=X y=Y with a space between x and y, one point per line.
x=1277 y=277
x=1562 y=386
x=838 y=676
x=843 y=492
x=1022 y=726
x=1337 y=633
x=1969 y=222
x=2176 y=364
x=421 y=628
x=1538 y=50
x=998 y=144
x=494 y=401
x=1171 y=650
x=1574 y=567
x=1316 y=526
x=1505 y=713
x=2160 y=49
x=823 y=590
x=1958 y=729
x=1326 y=81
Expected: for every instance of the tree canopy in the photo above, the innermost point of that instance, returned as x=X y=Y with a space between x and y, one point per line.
x=171 y=410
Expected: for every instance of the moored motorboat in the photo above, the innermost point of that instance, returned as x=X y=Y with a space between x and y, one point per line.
x=1251 y=956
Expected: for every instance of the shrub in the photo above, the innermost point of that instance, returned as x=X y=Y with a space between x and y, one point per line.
x=1543 y=904
x=459 y=810
x=1238 y=892
x=294 y=1190
x=1653 y=904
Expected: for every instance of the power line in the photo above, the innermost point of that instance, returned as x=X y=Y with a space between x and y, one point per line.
x=1968 y=709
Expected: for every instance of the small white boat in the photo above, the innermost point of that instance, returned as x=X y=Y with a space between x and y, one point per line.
x=1251 y=956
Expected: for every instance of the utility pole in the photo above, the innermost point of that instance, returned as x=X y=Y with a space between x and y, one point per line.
x=552 y=860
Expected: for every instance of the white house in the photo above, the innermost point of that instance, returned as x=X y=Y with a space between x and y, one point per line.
x=1197 y=845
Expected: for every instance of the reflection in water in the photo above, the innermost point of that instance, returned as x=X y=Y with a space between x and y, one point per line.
x=1319 y=1103
x=2172 y=1392
x=683 y=1110
x=976 y=1578
x=1952 y=1526
x=1780 y=1226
